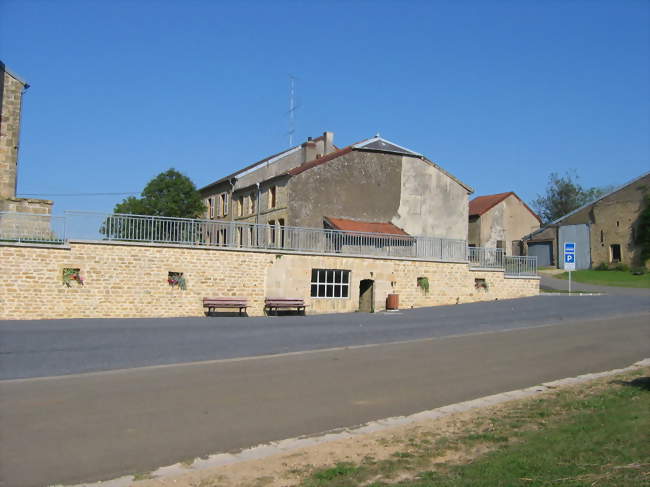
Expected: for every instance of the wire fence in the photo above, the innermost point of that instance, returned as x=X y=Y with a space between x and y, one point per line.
x=32 y=228
x=79 y=225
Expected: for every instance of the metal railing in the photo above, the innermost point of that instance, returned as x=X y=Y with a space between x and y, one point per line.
x=32 y=228
x=520 y=265
x=485 y=258
x=79 y=225
x=213 y=233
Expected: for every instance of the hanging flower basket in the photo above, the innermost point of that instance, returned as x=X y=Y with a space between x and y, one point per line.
x=176 y=279
x=71 y=275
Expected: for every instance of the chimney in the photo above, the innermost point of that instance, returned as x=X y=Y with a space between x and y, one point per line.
x=328 y=142
x=308 y=150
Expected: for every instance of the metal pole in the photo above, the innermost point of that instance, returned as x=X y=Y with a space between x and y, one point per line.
x=569 y=282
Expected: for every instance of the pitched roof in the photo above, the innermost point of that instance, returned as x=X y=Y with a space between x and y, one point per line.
x=364 y=227
x=615 y=190
x=376 y=144
x=319 y=161
x=482 y=204
x=261 y=162
x=380 y=144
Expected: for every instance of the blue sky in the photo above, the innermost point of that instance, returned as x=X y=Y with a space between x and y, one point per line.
x=498 y=93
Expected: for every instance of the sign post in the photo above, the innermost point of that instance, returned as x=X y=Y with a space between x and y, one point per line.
x=569 y=259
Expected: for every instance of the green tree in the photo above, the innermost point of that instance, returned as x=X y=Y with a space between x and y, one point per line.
x=169 y=194
x=563 y=195
x=643 y=231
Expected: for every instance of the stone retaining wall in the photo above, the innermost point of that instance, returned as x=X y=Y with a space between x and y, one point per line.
x=131 y=280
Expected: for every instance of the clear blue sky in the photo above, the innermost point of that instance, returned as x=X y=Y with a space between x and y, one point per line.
x=498 y=93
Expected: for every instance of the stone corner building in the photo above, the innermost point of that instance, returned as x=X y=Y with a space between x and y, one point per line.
x=374 y=181
x=604 y=230
x=11 y=94
x=501 y=221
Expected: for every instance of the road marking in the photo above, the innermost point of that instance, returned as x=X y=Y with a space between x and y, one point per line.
x=321 y=350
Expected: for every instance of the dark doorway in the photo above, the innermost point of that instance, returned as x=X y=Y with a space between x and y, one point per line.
x=367 y=296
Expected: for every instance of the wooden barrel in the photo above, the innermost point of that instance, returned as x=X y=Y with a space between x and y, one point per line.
x=392 y=301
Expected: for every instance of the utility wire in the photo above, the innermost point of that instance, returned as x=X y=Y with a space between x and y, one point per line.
x=79 y=194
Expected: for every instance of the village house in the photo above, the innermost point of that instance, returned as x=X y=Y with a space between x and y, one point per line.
x=340 y=230
x=372 y=182
x=604 y=230
x=500 y=221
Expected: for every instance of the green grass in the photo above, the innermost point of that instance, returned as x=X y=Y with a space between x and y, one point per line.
x=584 y=437
x=609 y=278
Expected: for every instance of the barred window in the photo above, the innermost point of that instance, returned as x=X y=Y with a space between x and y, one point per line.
x=330 y=283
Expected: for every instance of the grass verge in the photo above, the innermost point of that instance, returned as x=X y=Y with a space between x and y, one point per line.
x=609 y=278
x=592 y=435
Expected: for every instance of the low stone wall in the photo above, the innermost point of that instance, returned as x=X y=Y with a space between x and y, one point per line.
x=131 y=280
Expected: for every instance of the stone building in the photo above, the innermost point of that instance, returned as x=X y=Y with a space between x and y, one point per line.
x=604 y=230
x=12 y=89
x=500 y=221
x=373 y=181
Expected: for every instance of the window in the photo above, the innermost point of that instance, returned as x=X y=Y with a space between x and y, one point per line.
x=614 y=253
x=272 y=196
x=251 y=204
x=224 y=204
x=272 y=232
x=210 y=208
x=330 y=283
x=240 y=237
x=240 y=206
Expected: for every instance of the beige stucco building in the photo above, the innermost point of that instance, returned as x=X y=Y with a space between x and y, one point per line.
x=500 y=221
x=374 y=181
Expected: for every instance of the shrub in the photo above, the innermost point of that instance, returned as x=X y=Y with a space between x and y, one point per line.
x=602 y=267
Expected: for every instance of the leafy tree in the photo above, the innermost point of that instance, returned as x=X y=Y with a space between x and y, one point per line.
x=168 y=194
x=643 y=231
x=563 y=195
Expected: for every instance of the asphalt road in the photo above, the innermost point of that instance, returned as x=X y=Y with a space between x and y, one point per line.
x=58 y=347
x=86 y=427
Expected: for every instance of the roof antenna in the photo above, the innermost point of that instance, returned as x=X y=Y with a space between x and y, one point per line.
x=292 y=108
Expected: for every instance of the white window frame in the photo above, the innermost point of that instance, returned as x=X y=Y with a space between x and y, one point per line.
x=330 y=281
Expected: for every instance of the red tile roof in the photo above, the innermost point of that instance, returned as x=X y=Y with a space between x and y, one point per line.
x=482 y=204
x=364 y=227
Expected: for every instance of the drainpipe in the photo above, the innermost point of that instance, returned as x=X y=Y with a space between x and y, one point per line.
x=23 y=91
x=257 y=202
x=232 y=182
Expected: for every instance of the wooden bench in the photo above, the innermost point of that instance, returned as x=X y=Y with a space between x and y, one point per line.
x=213 y=303
x=278 y=303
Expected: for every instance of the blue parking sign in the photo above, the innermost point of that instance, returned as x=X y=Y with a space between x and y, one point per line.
x=570 y=256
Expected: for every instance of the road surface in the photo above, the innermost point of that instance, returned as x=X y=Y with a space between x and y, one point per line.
x=97 y=426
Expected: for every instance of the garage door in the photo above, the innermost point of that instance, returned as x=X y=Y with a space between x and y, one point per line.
x=543 y=252
x=579 y=234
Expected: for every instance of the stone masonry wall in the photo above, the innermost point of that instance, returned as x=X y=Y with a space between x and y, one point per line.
x=125 y=280
x=10 y=100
